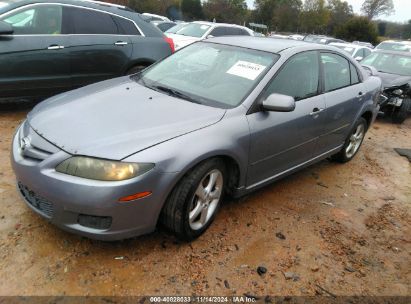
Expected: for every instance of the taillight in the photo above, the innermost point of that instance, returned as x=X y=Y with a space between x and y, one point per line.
x=170 y=43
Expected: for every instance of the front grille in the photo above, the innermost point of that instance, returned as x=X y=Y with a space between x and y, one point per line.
x=37 y=202
x=95 y=222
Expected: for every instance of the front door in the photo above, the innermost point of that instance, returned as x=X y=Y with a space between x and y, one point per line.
x=282 y=141
x=34 y=61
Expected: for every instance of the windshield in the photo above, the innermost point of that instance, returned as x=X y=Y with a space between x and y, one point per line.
x=210 y=74
x=3 y=6
x=348 y=49
x=176 y=28
x=390 y=63
x=389 y=46
x=193 y=30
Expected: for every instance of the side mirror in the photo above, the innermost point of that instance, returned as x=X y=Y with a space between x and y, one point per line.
x=359 y=58
x=210 y=36
x=279 y=103
x=5 y=28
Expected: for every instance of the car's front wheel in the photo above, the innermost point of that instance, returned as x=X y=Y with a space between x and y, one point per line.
x=194 y=202
x=400 y=114
x=353 y=142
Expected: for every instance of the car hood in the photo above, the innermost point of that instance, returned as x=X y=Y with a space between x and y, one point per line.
x=393 y=80
x=117 y=118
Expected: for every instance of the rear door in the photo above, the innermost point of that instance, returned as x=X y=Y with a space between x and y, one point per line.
x=282 y=141
x=34 y=61
x=343 y=93
x=98 y=49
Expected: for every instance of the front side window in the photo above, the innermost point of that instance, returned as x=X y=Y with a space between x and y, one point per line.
x=298 y=78
x=211 y=74
x=36 y=20
x=336 y=71
x=219 y=31
x=86 y=21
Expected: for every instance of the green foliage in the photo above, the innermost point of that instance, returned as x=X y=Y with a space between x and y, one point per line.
x=358 y=28
x=191 y=9
x=315 y=17
x=228 y=11
x=376 y=8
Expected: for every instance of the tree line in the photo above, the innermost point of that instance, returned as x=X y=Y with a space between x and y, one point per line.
x=328 y=17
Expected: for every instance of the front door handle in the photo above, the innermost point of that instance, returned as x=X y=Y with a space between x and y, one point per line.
x=120 y=43
x=316 y=111
x=55 y=47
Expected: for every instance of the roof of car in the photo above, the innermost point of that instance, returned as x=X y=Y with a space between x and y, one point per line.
x=408 y=54
x=218 y=24
x=271 y=45
x=114 y=8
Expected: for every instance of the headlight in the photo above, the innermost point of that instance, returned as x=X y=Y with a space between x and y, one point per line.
x=398 y=92
x=100 y=169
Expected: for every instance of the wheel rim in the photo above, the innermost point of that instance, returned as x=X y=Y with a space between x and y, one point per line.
x=355 y=141
x=206 y=199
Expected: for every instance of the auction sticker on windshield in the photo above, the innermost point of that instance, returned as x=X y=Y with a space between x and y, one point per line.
x=246 y=69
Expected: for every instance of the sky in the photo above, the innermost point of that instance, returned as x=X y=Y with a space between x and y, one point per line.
x=402 y=9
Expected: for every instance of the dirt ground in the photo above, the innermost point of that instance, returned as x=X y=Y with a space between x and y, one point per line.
x=329 y=229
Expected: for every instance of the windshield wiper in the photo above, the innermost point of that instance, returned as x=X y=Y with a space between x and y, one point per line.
x=174 y=93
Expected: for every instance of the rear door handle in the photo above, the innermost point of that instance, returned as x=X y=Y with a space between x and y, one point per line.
x=55 y=47
x=120 y=43
x=316 y=111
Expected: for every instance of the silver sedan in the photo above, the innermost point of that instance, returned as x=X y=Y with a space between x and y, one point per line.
x=220 y=117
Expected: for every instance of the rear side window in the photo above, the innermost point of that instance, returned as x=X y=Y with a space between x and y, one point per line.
x=367 y=52
x=354 y=74
x=126 y=27
x=336 y=72
x=86 y=21
x=298 y=78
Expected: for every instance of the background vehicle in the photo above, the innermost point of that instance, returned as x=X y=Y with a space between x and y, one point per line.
x=358 y=52
x=164 y=25
x=176 y=28
x=367 y=44
x=251 y=110
x=393 y=45
x=394 y=68
x=48 y=47
x=153 y=17
x=199 y=30
x=321 y=39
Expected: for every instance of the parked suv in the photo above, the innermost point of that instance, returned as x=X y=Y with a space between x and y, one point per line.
x=48 y=47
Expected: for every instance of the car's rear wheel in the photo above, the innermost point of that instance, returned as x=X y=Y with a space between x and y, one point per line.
x=136 y=69
x=194 y=202
x=400 y=114
x=353 y=142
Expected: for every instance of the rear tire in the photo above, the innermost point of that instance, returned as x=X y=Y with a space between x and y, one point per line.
x=353 y=142
x=401 y=113
x=195 y=200
x=136 y=69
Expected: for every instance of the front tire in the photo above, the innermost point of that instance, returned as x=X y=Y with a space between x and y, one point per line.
x=399 y=115
x=353 y=142
x=194 y=202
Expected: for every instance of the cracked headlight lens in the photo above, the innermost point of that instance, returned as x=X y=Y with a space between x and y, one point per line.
x=100 y=169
